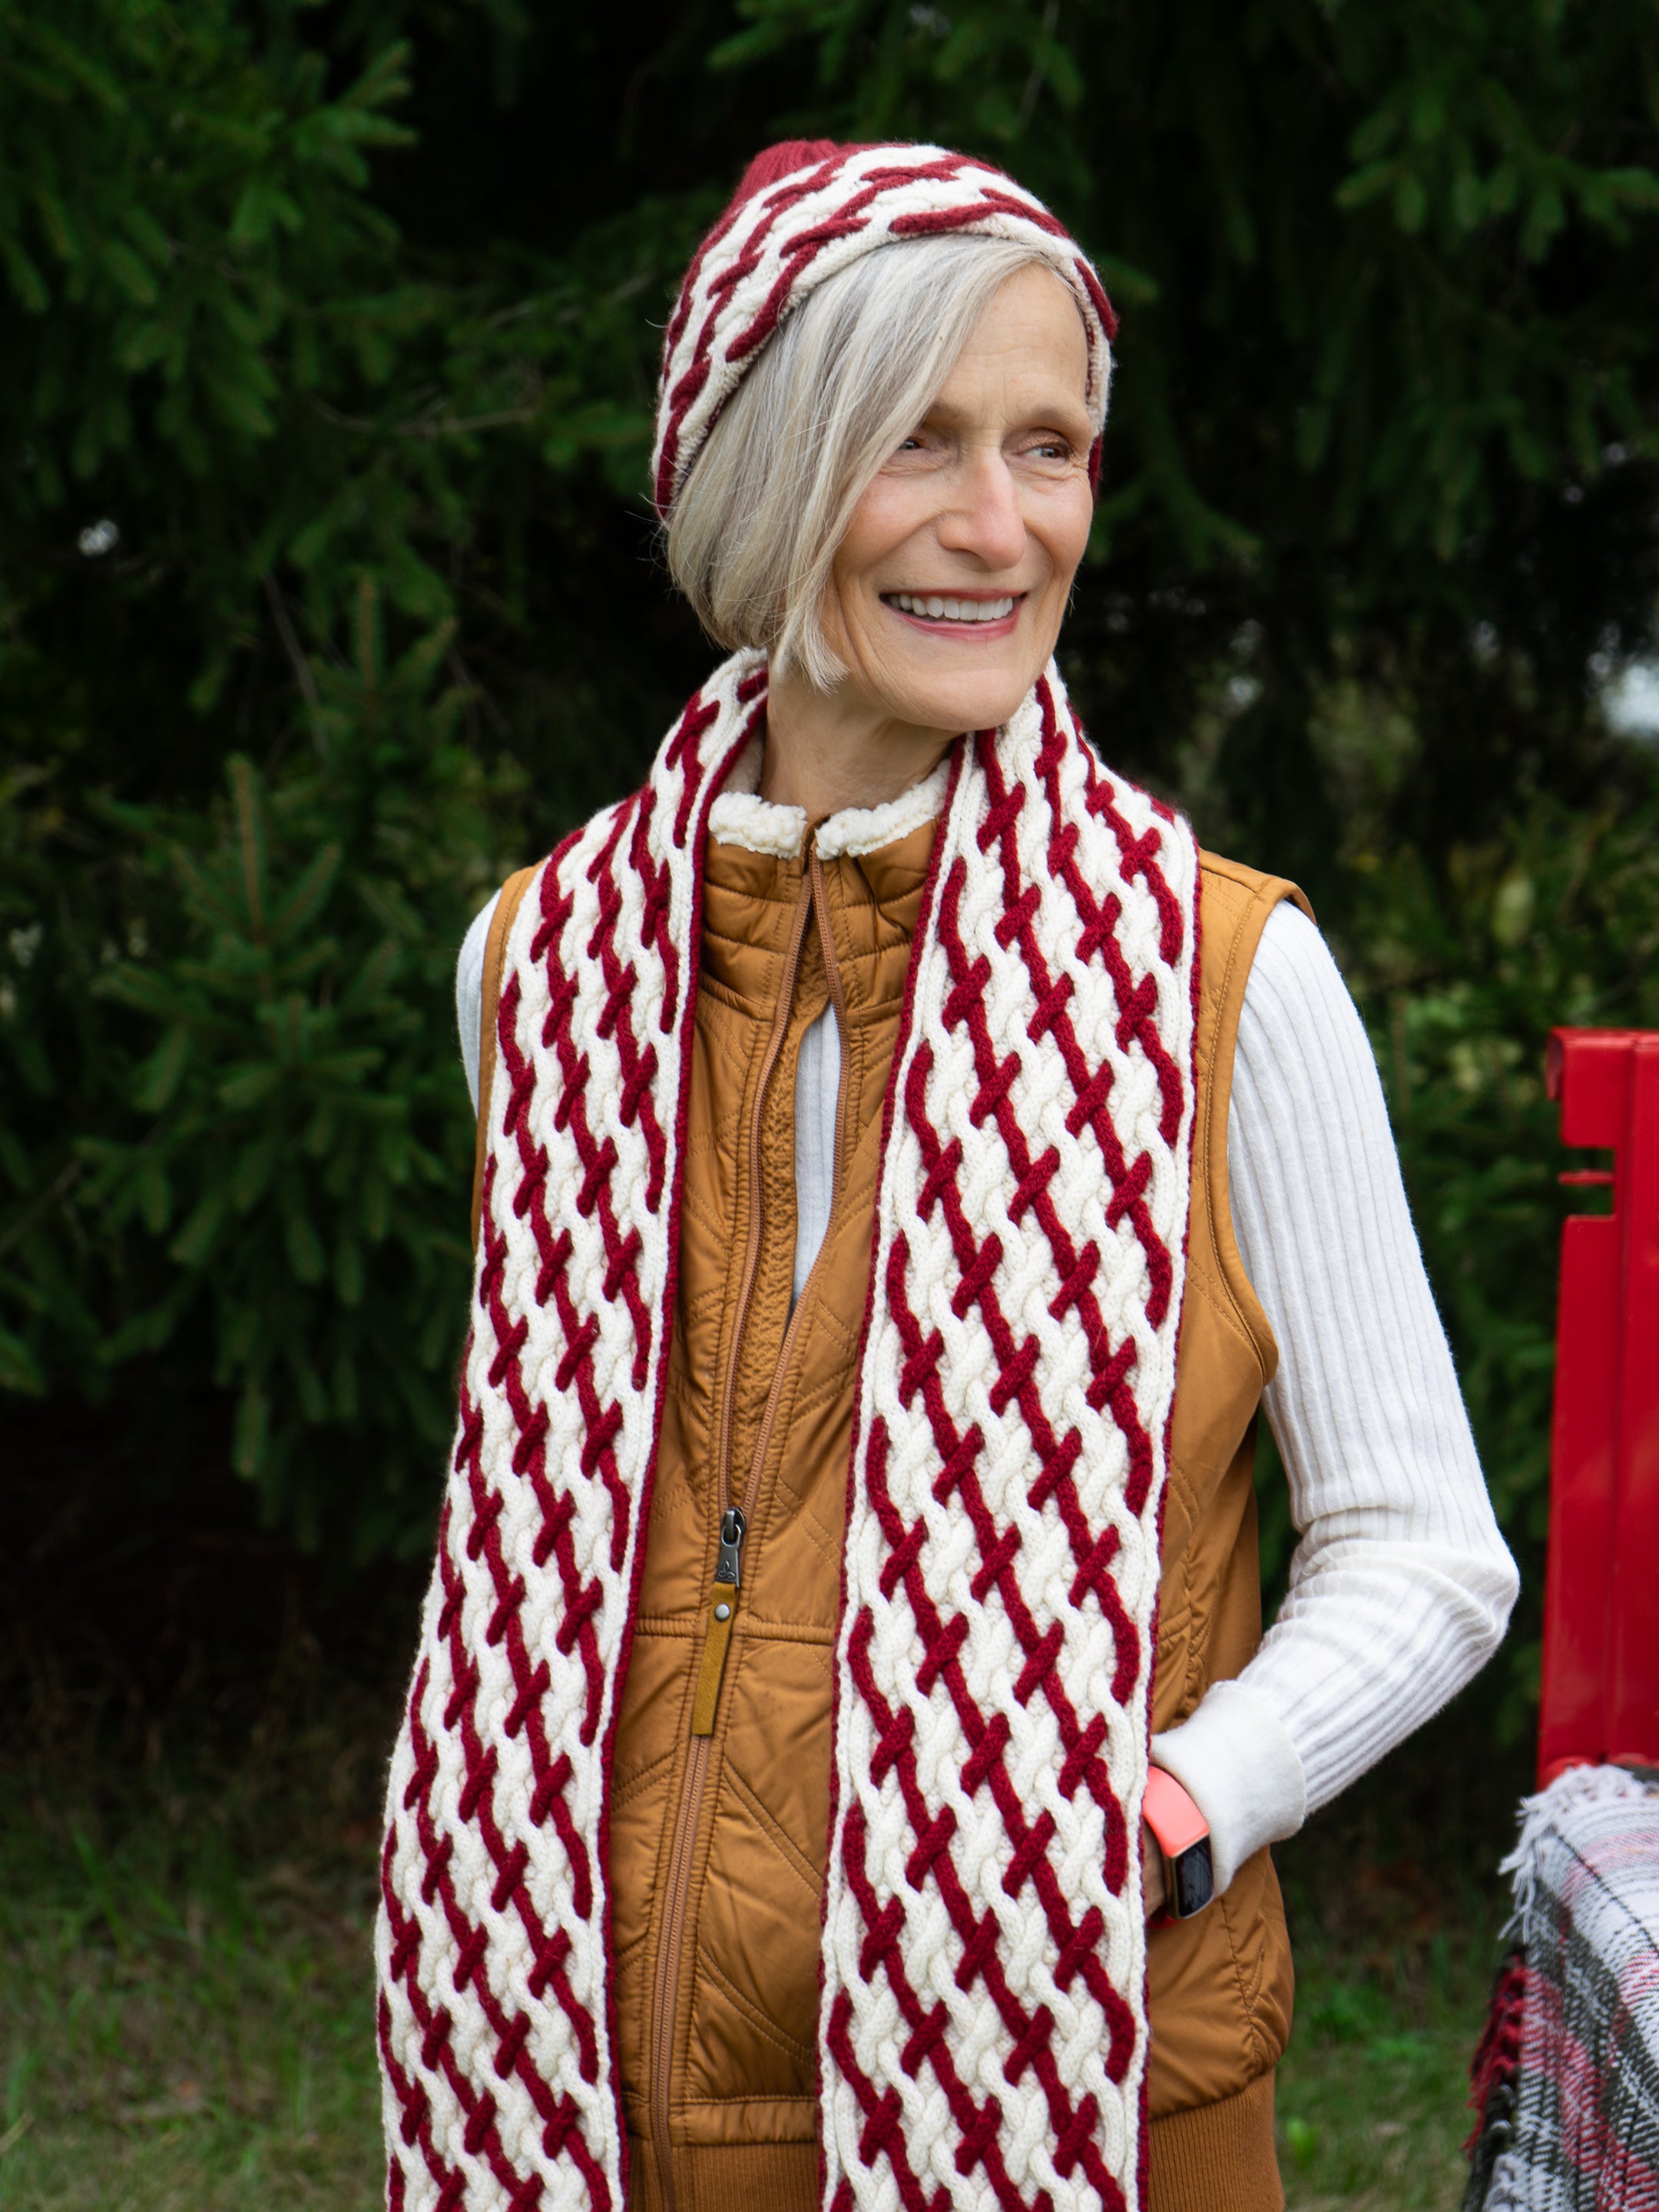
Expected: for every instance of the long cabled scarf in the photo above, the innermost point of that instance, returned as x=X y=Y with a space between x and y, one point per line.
x=982 y=2035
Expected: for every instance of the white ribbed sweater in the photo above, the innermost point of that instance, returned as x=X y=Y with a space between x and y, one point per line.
x=1401 y=1586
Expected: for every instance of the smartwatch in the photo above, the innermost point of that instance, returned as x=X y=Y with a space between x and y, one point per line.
x=1183 y=1838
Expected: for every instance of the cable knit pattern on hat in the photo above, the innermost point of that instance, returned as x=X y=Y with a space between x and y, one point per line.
x=802 y=213
x=982 y=2035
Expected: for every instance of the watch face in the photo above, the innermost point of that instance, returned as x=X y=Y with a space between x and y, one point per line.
x=1194 y=1879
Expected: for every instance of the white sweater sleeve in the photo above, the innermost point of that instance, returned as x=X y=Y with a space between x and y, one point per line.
x=469 y=992
x=1401 y=1586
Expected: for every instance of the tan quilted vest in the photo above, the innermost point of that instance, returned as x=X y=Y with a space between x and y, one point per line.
x=715 y=1890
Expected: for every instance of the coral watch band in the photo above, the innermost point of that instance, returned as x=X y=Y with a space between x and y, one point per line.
x=1183 y=1838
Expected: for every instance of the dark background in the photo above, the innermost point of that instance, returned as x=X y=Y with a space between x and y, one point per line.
x=329 y=594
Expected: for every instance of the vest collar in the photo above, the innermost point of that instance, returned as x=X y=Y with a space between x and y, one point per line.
x=740 y=816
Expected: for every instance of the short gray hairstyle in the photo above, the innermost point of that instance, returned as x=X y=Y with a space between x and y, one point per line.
x=755 y=527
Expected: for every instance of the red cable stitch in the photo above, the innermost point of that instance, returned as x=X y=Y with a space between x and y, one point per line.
x=1139 y=855
x=683 y=752
x=477 y=1803
x=1137 y=1002
x=415 y=2105
x=884 y=1948
x=986 y=1765
x=602 y=1422
x=1079 y=1949
x=1091 y=1088
x=1000 y=199
x=920 y=1371
x=965 y=1004
x=785 y=194
x=785 y=198
x=531 y=1682
x=598 y=1160
x=482 y=2134
x=1082 y=1763
x=882 y=2132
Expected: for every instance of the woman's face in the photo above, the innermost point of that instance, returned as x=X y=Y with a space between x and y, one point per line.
x=948 y=591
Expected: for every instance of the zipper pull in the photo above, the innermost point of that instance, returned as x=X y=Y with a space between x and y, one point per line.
x=722 y=1606
x=733 y=1528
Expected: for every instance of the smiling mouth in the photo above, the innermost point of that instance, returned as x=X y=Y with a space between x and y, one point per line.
x=943 y=607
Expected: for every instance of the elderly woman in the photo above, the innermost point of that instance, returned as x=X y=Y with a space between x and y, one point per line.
x=842 y=1754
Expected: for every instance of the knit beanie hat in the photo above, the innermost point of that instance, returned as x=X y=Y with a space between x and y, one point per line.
x=805 y=208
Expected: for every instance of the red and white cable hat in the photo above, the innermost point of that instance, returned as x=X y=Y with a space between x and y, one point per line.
x=805 y=208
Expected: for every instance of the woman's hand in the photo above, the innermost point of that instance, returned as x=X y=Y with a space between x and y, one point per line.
x=1151 y=1871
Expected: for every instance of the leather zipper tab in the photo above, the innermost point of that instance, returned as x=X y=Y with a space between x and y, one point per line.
x=722 y=1610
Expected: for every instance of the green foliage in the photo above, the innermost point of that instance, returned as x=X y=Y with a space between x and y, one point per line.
x=302 y=1145
x=271 y=1172
x=1556 y=925
x=1393 y=184
x=326 y=596
x=234 y=1135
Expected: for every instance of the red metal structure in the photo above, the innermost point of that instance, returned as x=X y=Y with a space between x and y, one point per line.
x=1600 y=1683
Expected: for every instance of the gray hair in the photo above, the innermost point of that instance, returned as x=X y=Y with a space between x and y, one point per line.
x=755 y=527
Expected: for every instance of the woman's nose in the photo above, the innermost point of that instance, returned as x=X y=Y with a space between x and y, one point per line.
x=984 y=519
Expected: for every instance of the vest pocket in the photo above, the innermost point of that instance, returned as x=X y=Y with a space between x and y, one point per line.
x=755 y=2010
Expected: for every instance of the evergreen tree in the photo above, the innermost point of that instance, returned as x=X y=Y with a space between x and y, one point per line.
x=330 y=594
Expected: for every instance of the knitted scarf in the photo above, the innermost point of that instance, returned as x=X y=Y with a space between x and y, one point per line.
x=982 y=2035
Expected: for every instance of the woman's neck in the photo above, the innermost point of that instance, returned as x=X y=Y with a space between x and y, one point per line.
x=829 y=749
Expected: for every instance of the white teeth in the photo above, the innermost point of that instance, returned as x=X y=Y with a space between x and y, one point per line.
x=946 y=610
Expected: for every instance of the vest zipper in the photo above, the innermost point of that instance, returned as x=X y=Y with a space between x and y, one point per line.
x=672 y=1934
x=838 y=1000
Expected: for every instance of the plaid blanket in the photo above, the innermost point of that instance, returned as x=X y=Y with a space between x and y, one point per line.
x=1566 y=2082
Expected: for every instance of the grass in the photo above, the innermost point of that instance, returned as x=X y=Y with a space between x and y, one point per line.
x=185 y=2009
x=1393 y=1973
x=186 y=2006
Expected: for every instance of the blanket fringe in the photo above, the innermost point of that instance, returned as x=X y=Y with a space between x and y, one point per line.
x=1578 y=1787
